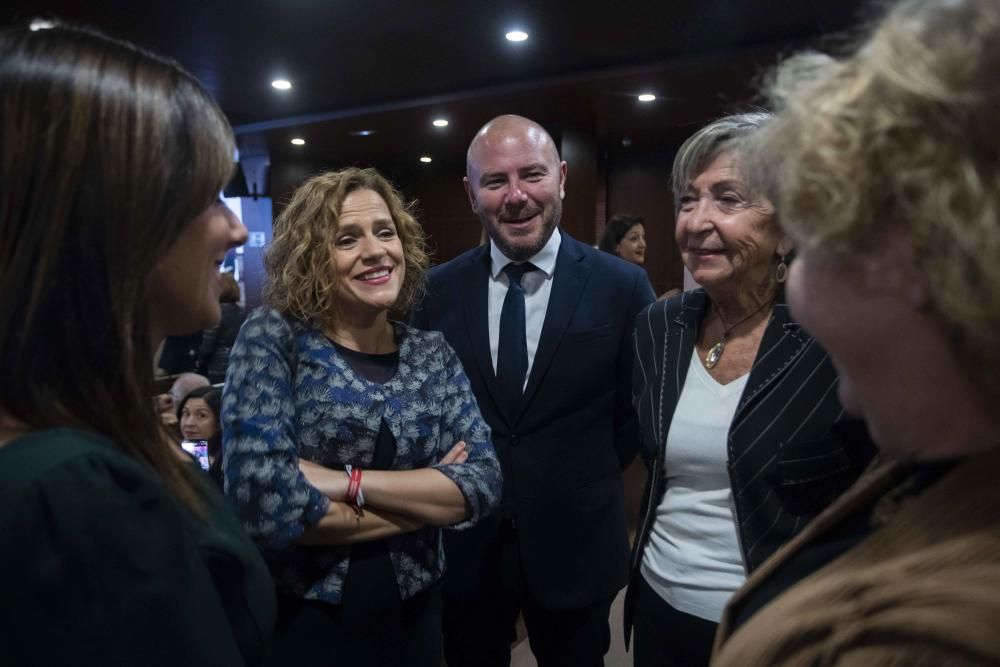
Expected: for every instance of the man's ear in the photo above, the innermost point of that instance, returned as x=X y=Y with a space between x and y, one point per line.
x=470 y=195
x=562 y=180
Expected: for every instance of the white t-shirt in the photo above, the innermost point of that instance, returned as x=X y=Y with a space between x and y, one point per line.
x=693 y=559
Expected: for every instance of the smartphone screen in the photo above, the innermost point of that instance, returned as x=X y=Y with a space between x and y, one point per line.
x=197 y=449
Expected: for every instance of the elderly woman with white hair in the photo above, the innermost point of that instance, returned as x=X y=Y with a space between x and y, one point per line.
x=736 y=407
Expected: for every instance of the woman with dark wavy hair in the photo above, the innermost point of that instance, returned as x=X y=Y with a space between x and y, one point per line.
x=625 y=236
x=352 y=439
x=116 y=548
x=198 y=416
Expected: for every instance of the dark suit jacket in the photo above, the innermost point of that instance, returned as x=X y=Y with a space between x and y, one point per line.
x=785 y=463
x=563 y=452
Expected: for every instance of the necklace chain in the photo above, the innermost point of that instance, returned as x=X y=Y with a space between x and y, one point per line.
x=715 y=353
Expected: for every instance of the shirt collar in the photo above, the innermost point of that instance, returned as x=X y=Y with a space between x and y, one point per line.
x=544 y=259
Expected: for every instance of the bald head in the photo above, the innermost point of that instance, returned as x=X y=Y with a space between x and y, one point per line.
x=509 y=131
x=515 y=182
x=186 y=382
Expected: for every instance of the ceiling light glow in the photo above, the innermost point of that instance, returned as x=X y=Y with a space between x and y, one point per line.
x=647 y=97
x=361 y=133
x=516 y=36
x=40 y=24
x=281 y=84
x=298 y=141
x=426 y=159
x=440 y=122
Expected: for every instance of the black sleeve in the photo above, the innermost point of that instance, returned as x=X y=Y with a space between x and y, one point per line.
x=209 y=341
x=99 y=568
x=626 y=425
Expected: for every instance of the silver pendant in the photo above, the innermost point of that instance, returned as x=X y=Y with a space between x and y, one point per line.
x=715 y=354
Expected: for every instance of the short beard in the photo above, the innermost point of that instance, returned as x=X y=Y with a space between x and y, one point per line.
x=523 y=254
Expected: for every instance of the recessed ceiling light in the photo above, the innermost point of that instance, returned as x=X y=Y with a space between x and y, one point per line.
x=426 y=159
x=281 y=84
x=361 y=133
x=298 y=141
x=647 y=97
x=516 y=36
x=439 y=122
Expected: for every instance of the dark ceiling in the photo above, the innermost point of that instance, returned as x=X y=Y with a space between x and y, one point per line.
x=393 y=66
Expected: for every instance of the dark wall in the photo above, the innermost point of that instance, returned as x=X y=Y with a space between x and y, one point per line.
x=579 y=150
x=443 y=208
x=638 y=182
x=286 y=177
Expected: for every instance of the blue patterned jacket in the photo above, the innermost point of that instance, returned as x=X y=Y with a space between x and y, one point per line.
x=290 y=394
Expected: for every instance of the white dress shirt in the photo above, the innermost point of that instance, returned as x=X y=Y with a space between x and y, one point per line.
x=537 y=287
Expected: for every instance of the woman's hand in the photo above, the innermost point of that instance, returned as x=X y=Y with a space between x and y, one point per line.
x=456 y=454
x=402 y=500
x=331 y=483
x=342 y=524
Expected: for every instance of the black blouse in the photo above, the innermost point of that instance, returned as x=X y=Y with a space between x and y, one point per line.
x=101 y=564
x=370 y=586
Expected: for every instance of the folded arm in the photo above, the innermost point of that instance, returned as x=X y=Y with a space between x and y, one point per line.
x=423 y=496
x=456 y=491
x=279 y=506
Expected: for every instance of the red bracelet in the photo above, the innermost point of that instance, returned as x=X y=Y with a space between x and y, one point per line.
x=354 y=496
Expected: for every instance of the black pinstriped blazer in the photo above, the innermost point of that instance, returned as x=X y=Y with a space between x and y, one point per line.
x=785 y=464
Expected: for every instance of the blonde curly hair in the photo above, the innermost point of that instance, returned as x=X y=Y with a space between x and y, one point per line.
x=301 y=279
x=901 y=135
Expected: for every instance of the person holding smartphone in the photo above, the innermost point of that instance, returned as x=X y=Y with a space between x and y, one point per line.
x=198 y=415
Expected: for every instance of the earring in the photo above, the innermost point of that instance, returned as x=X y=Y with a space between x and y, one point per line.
x=781 y=274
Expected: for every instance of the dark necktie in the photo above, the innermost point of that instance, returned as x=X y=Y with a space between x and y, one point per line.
x=512 y=352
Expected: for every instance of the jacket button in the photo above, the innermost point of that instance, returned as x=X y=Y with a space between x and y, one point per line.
x=513 y=441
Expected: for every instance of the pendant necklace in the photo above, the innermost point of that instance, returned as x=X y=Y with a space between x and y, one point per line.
x=715 y=353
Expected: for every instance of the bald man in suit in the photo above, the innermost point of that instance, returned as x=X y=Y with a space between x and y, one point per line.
x=543 y=325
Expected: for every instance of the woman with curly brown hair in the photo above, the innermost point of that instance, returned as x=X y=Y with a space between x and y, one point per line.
x=351 y=439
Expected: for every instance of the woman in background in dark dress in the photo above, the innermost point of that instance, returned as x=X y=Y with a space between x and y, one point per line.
x=116 y=549
x=625 y=237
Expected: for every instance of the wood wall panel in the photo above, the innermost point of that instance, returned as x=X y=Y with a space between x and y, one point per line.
x=638 y=183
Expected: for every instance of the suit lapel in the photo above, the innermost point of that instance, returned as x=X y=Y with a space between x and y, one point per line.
x=476 y=306
x=678 y=346
x=781 y=345
x=569 y=283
